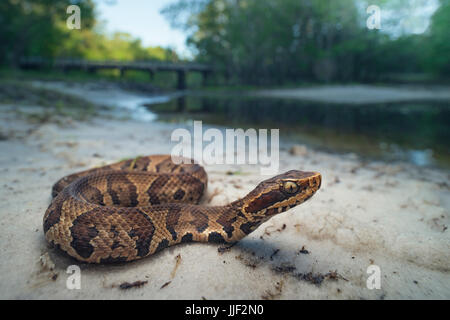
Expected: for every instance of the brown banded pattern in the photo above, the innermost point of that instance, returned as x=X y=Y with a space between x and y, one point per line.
x=137 y=207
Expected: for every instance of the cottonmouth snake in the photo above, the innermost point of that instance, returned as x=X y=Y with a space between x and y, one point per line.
x=135 y=208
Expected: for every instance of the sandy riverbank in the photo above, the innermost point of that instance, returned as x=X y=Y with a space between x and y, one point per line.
x=359 y=94
x=394 y=216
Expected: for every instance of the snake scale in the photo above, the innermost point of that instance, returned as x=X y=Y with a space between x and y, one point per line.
x=134 y=208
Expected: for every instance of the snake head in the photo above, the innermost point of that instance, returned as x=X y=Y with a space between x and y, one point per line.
x=282 y=192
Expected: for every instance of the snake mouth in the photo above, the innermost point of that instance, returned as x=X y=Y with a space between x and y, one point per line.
x=315 y=181
x=306 y=181
x=282 y=192
x=312 y=185
x=308 y=186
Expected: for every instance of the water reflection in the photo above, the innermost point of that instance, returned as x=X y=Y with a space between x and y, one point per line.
x=416 y=132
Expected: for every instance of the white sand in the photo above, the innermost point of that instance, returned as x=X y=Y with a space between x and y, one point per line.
x=393 y=216
x=360 y=94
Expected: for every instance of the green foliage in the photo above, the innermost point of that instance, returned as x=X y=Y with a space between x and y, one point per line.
x=37 y=28
x=252 y=41
x=438 y=41
x=283 y=41
x=91 y=45
x=33 y=27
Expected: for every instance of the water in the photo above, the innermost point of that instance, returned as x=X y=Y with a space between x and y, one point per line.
x=416 y=132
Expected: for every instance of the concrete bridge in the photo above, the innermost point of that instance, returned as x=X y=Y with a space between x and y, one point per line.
x=148 y=66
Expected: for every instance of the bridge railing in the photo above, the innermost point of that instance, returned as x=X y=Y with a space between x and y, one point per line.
x=140 y=65
x=181 y=68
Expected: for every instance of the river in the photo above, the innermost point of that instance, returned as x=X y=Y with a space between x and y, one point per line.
x=414 y=131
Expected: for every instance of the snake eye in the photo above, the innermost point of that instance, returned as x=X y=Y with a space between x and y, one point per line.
x=290 y=187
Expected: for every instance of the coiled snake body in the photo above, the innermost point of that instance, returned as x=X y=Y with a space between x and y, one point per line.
x=135 y=208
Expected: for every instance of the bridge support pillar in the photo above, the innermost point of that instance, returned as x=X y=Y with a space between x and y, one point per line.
x=227 y=75
x=122 y=72
x=181 y=104
x=205 y=76
x=181 y=85
x=152 y=74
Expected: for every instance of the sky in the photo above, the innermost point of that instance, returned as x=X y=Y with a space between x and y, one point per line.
x=142 y=19
x=408 y=16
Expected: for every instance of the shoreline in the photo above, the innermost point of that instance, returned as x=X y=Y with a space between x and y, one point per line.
x=138 y=106
x=393 y=215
